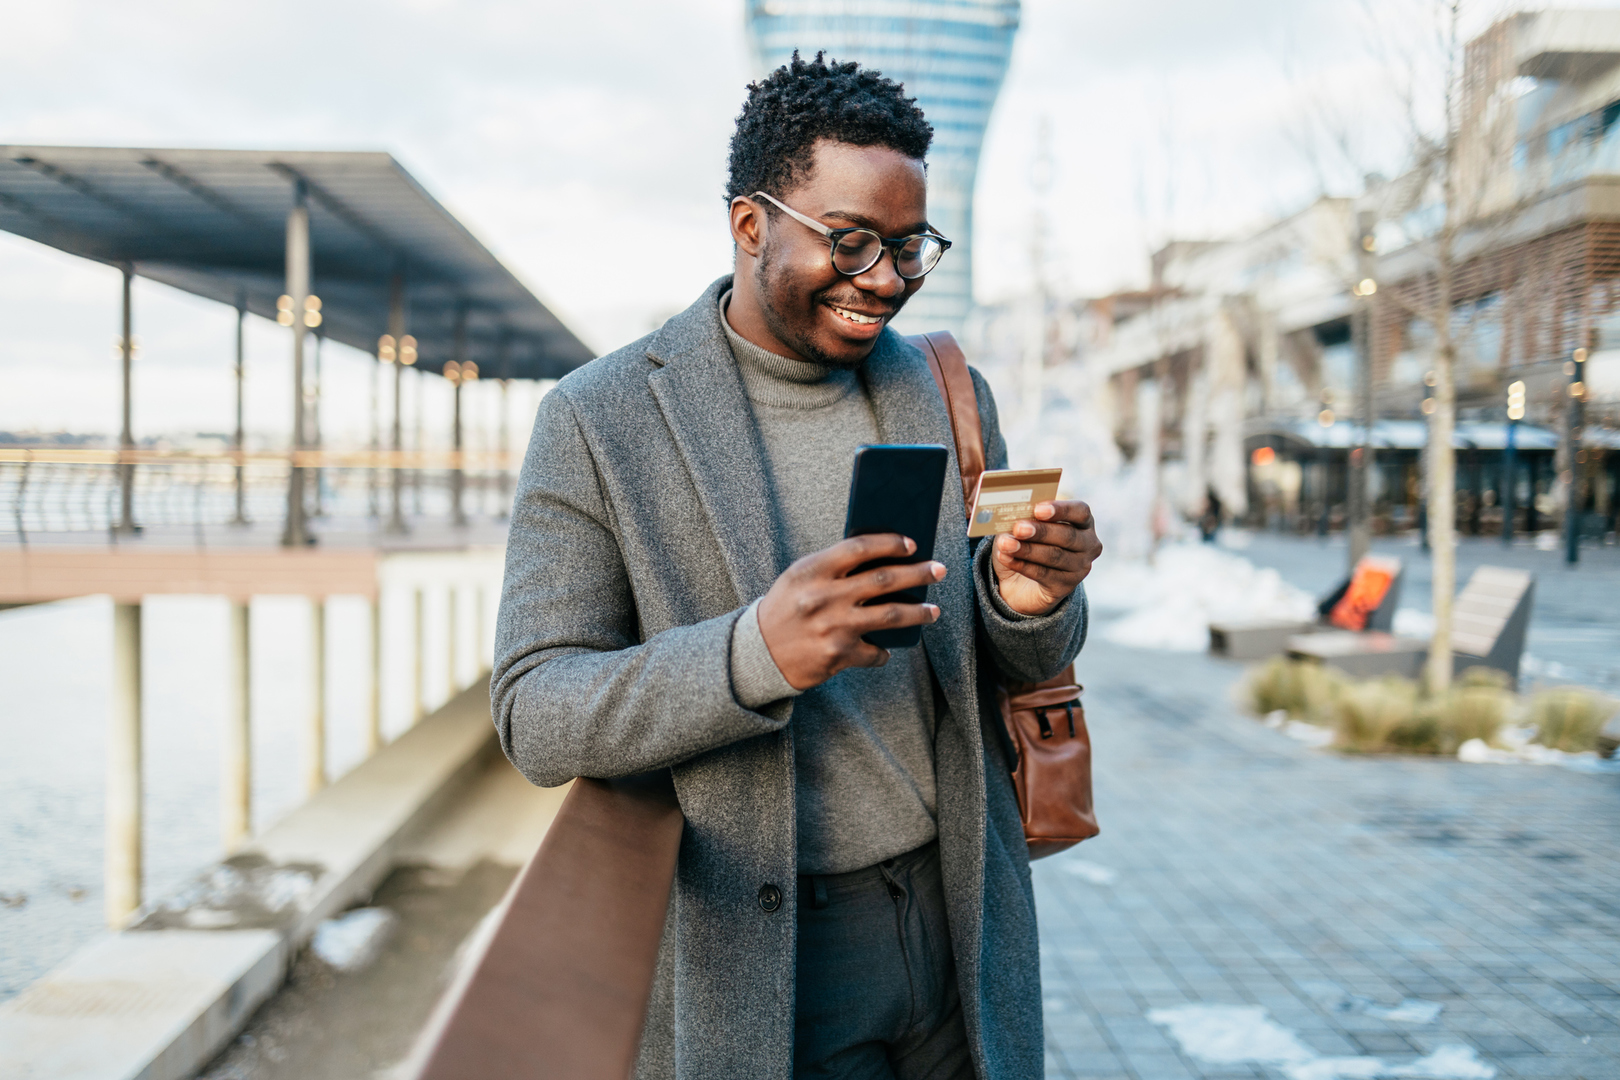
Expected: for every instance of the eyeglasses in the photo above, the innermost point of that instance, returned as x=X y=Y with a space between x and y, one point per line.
x=857 y=250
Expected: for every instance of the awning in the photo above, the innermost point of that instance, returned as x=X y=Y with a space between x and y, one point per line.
x=213 y=223
x=1400 y=434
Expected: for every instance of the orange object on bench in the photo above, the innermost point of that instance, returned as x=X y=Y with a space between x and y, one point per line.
x=1369 y=584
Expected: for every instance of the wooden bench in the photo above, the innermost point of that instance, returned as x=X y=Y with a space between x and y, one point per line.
x=1257 y=639
x=1489 y=620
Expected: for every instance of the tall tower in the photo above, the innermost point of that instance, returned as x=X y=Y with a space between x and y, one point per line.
x=951 y=55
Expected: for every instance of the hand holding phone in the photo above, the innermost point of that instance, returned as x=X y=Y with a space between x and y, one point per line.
x=815 y=617
x=847 y=605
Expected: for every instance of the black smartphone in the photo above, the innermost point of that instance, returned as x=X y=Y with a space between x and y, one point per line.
x=897 y=489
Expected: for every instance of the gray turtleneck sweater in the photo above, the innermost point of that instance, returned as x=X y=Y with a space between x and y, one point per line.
x=863 y=741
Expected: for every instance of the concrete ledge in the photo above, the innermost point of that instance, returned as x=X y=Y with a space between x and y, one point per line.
x=159 y=1000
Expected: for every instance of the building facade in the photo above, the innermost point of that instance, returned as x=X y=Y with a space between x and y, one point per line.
x=952 y=56
x=1234 y=369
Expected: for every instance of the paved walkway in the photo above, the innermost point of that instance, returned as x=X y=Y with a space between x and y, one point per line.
x=1237 y=868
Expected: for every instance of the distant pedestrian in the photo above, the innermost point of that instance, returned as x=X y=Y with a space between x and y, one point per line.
x=1209 y=522
x=853 y=897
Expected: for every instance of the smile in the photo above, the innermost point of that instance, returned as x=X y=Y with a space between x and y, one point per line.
x=856 y=317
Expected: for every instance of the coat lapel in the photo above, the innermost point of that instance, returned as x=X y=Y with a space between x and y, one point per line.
x=701 y=396
x=908 y=408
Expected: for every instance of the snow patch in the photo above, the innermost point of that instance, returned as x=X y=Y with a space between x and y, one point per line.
x=1517 y=749
x=1409 y=1011
x=1244 y=1034
x=1170 y=602
x=1232 y=1034
x=1089 y=871
x=352 y=940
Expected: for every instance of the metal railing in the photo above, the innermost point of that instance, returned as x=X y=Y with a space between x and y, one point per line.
x=73 y=490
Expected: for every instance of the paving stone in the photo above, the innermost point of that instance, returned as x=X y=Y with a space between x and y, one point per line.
x=1254 y=871
x=1501 y=1045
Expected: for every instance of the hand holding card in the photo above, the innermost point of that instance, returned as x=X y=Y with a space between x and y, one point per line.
x=1044 y=546
x=1005 y=496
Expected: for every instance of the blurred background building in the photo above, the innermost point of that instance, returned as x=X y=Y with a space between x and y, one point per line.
x=951 y=55
x=1235 y=366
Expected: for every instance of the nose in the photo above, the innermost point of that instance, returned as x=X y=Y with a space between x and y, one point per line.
x=883 y=277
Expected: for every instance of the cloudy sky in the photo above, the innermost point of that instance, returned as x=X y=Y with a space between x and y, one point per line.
x=585 y=143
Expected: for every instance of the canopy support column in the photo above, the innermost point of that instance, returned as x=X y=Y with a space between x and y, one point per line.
x=374 y=731
x=319 y=508
x=504 y=489
x=126 y=440
x=239 y=438
x=123 y=844
x=419 y=657
x=297 y=531
x=315 y=734
x=396 y=329
x=458 y=475
x=236 y=773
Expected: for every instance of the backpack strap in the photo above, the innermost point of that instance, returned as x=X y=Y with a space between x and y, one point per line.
x=948 y=364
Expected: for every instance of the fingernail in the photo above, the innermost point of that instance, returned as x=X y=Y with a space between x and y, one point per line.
x=935 y=609
x=1045 y=510
x=1024 y=529
x=911 y=545
x=939 y=571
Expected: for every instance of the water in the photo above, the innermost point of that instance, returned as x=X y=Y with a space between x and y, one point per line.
x=55 y=666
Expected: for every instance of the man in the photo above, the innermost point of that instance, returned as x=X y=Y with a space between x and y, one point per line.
x=853 y=895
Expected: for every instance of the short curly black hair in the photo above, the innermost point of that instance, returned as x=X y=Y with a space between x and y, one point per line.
x=806 y=100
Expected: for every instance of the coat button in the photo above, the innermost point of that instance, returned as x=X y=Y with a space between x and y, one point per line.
x=770 y=897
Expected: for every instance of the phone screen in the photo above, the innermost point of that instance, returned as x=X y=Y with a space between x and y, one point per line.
x=897 y=489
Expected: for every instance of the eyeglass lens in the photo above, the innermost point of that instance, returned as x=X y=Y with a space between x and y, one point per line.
x=858 y=251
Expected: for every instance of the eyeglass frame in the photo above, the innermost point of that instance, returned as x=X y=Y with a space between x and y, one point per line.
x=892 y=245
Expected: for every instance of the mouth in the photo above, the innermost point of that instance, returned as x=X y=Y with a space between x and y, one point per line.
x=857 y=318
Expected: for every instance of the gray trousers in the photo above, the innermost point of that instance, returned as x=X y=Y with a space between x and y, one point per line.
x=875 y=982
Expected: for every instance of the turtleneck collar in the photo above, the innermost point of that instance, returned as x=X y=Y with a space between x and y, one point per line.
x=782 y=381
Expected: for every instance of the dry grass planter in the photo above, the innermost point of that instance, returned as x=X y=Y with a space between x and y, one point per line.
x=1304 y=690
x=1393 y=715
x=1570 y=718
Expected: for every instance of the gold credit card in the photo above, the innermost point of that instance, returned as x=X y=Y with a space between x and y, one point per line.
x=1008 y=495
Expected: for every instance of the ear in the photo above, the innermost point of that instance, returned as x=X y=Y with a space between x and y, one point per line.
x=747 y=226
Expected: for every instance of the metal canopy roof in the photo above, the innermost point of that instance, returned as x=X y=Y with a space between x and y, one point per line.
x=214 y=223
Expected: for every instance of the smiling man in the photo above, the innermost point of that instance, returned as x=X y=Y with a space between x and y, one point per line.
x=853 y=895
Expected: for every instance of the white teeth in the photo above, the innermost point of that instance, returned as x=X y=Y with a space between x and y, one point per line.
x=856 y=317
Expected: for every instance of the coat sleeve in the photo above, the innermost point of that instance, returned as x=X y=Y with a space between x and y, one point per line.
x=1024 y=648
x=575 y=692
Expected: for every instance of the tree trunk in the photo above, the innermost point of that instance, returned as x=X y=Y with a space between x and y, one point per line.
x=1442 y=508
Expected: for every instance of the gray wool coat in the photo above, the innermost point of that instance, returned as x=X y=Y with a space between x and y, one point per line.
x=641 y=530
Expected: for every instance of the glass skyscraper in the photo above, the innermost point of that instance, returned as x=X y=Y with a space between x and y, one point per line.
x=951 y=56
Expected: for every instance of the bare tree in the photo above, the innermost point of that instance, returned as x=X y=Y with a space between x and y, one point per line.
x=1442 y=194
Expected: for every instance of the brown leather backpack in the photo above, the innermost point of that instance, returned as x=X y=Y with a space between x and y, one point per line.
x=1045 y=723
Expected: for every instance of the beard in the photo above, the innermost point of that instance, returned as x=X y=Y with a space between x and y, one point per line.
x=782 y=329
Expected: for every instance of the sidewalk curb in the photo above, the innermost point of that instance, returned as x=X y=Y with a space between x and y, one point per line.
x=159 y=1000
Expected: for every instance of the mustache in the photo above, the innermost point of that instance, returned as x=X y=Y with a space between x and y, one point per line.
x=860 y=302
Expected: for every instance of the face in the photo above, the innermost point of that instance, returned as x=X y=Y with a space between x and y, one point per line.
x=817 y=313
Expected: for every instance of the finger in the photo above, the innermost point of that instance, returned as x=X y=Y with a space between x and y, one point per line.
x=846 y=555
x=1059 y=558
x=893 y=616
x=1056 y=533
x=1052 y=578
x=882 y=580
x=1071 y=510
x=864 y=655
